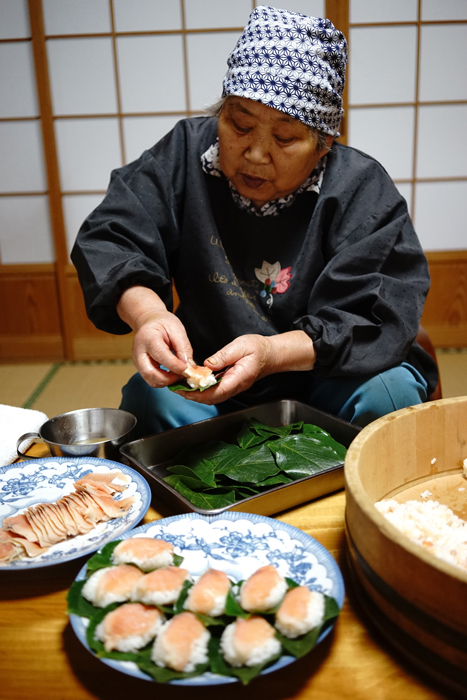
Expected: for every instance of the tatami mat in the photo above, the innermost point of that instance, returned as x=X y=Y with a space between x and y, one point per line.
x=58 y=388
x=18 y=382
x=83 y=385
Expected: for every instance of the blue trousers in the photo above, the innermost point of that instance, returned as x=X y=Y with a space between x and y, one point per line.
x=358 y=401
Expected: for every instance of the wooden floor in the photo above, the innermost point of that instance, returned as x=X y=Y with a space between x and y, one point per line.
x=58 y=388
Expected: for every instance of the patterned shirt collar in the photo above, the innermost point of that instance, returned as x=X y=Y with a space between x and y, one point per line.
x=211 y=166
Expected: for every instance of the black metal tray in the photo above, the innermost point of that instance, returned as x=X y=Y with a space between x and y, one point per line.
x=151 y=455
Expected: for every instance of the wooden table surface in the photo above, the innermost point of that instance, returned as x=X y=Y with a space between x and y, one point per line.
x=41 y=658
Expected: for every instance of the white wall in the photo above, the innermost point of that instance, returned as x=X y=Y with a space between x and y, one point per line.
x=113 y=100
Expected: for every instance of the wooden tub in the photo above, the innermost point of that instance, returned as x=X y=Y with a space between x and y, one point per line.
x=419 y=602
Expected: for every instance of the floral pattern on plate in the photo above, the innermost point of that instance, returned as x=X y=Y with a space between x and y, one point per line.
x=238 y=543
x=25 y=484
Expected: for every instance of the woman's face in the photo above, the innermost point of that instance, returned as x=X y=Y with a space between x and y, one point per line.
x=265 y=153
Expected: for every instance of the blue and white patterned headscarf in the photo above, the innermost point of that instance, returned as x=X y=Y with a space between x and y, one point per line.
x=293 y=63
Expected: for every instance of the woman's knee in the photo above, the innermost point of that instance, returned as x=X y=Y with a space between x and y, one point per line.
x=384 y=393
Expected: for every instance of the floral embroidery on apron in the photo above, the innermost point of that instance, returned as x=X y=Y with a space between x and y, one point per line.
x=274 y=281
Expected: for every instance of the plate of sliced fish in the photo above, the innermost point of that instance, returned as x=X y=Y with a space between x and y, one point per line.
x=56 y=509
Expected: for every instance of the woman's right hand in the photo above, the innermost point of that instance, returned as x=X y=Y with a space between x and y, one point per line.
x=160 y=337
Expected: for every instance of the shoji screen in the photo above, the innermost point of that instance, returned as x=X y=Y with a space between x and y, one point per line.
x=87 y=85
x=30 y=319
x=407 y=96
x=408 y=106
x=25 y=233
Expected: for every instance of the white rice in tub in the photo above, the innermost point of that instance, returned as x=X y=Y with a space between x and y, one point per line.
x=431 y=525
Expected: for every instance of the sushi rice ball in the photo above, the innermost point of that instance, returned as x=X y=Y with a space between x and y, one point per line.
x=208 y=595
x=199 y=377
x=301 y=611
x=111 y=584
x=160 y=587
x=147 y=553
x=129 y=627
x=182 y=643
x=248 y=642
x=263 y=590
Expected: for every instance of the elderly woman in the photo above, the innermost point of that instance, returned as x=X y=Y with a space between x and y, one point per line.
x=294 y=257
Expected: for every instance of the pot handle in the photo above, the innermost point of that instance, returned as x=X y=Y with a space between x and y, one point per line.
x=20 y=440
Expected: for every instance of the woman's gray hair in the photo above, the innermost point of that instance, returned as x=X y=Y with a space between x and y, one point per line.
x=320 y=137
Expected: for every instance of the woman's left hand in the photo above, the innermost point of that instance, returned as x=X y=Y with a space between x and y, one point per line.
x=253 y=357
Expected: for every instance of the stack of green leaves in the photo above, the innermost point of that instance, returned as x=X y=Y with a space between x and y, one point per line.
x=218 y=474
x=298 y=647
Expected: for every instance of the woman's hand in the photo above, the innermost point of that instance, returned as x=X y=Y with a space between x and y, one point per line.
x=160 y=338
x=253 y=357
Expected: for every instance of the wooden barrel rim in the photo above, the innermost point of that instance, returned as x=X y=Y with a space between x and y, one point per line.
x=354 y=484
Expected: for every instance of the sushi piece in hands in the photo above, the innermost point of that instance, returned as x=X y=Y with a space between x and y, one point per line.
x=199 y=377
x=160 y=587
x=145 y=552
x=182 y=643
x=249 y=642
x=129 y=627
x=263 y=590
x=301 y=611
x=208 y=595
x=111 y=584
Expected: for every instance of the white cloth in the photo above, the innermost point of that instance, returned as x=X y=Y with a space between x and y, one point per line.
x=15 y=422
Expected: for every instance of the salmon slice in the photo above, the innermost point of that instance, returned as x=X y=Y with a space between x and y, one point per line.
x=38 y=526
x=112 y=584
x=77 y=513
x=77 y=521
x=15 y=547
x=251 y=633
x=108 y=480
x=294 y=603
x=120 y=579
x=199 y=377
x=89 y=508
x=9 y=549
x=56 y=530
x=130 y=627
x=113 y=509
x=248 y=642
x=145 y=552
x=301 y=611
x=178 y=644
x=263 y=590
x=20 y=525
x=160 y=587
x=209 y=593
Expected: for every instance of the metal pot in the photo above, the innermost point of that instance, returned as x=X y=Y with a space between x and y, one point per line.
x=86 y=432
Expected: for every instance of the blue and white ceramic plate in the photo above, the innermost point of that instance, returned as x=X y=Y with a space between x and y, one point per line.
x=238 y=543
x=25 y=484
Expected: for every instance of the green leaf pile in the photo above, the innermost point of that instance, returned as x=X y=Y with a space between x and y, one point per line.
x=218 y=474
x=78 y=605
